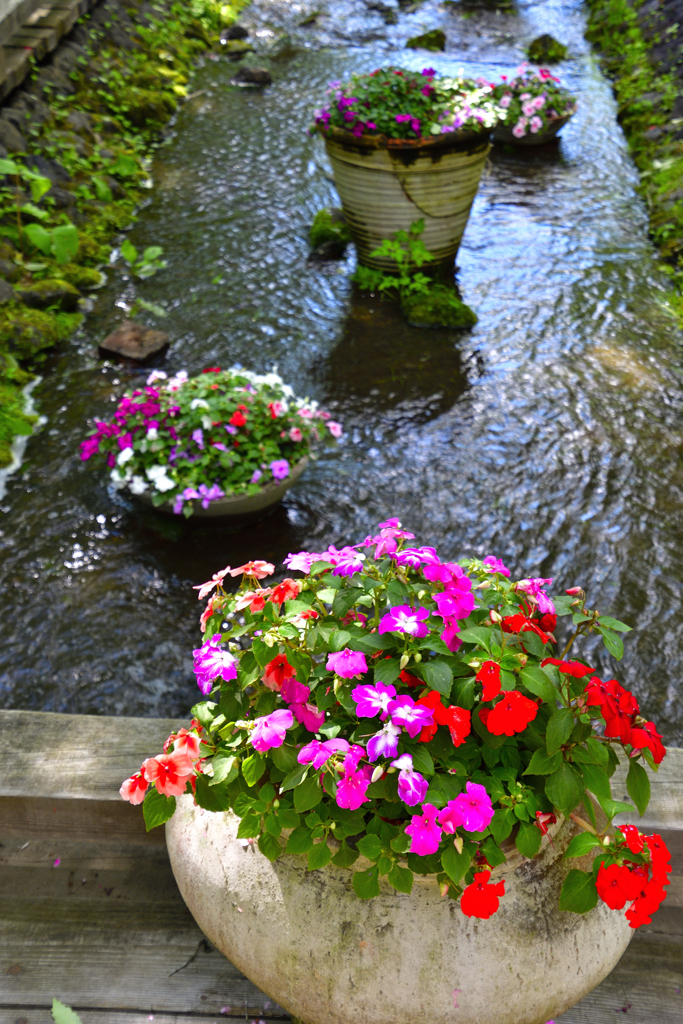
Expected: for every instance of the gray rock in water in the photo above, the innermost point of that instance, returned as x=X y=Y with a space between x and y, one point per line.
x=6 y=292
x=253 y=76
x=234 y=32
x=131 y=340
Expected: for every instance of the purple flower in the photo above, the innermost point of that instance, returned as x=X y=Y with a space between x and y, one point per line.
x=211 y=662
x=424 y=831
x=347 y=664
x=269 y=731
x=209 y=494
x=473 y=810
x=371 y=700
x=256 y=476
x=318 y=754
x=495 y=565
x=308 y=715
x=198 y=437
x=412 y=787
x=404 y=619
x=533 y=587
x=230 y=429
x=294 y=692
x=411 y=716
x=280 y=469
x=302 y=561
x=415 y=557
x=346 y=562
x=384 y=743
x=351 y=790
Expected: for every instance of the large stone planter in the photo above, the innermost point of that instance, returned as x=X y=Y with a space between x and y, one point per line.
x=387 y=184
x=327 y=957
x=239 y=506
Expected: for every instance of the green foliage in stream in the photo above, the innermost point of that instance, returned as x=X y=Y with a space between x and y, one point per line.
x=646 y=98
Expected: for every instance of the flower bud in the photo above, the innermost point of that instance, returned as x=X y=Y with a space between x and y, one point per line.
x=377 y=774
x=457 y=843
x=522 y=659
x=276 y=804
x=405 y=658
x=606 y=841
x=421 y=595
x=495 y=617
x=574 y=591
x=443 y=888
x=417 y=656
x=484 y=585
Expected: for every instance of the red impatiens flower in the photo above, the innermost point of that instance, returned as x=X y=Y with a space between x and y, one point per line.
x=544 y=819
x=511 y=714
x=288 y=590
x=520 y=624
x=409 y=679
x=489 y=676
x=648 y=902
x=633 y=839
x=548 y=622
x=617 y=885
x=238 y=419
x=568 y=668
x=604 y=695
x=647 y=736
x=276 y=671
x=621 y=724
x=661 y=858
x=457 y=720
x=482 y=898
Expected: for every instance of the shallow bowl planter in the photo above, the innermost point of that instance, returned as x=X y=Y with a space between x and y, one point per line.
x=385 y=185
x=239 y=505
x=549 y=133
x=328 y=957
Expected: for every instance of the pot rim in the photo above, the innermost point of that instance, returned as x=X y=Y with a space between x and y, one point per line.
x=365 y=141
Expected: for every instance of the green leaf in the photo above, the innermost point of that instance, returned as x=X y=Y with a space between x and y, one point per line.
x=456 y=865
x=559 y=729
x=614 y=807
x=387 y=670
x=8 y=167
x=308 y=794
x=613 y=643
x=564 y=789
x=370 y=846
x=39 y=186
x=34 y=211
x=295 y=778
x=284 y=757
x=366 y=883
x=502 y=823
x=152 y=252
x=400 y=843
x=598 y=750
x=128 y=251
x=224 y=768
x=579 y=893
x=300 y=840
x=582 y=844
x=61 y=1014
x=125 y=166
x=65 y=243
x=102 y=190
x=621 y=627
x=339 y=640
x=157 y=809
x=638 y=786
x=528 y=839
x=597 y=781
x=344 y=600
x=318 y=856
x=543 y=764
x=253 y=768
x=345 y=856
x=438 y=675
x=538 y=683
x=211 y=798
x=493 y=852
x=478 y=635
x=39 y=237
x=287 y=817
x=269 y=846
x=422 y=760
x=249 y=826
x=400 y=878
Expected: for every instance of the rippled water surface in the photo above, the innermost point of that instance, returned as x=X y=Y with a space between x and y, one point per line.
x=549 y=435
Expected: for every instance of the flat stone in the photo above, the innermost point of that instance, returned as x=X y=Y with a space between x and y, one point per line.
x=253 y=76
x=134 y=341
x=79 y=121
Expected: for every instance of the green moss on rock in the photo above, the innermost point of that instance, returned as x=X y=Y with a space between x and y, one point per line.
x=26 y=332
x=83 y=278
x=434 y=40
x=546 y=49
x=49 y=292
x=440 y=307
x=329 y=225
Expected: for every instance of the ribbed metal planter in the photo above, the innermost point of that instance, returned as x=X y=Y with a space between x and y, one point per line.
x=387 y=184
x=549 y=133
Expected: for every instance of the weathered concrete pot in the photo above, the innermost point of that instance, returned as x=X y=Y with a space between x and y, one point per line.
x=327 y=957
x=387 y=184
x=503 y=134
x=240 y=506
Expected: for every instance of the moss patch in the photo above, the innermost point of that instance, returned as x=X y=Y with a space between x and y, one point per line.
x=440 y=307
x=329 y=225
x=434 y=40
x=546 y=49
x=13 y=420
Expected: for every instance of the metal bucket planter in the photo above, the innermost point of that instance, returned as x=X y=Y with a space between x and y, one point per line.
x=326 y=956
x=240 y=506
x=549 y=133
x=387 y=184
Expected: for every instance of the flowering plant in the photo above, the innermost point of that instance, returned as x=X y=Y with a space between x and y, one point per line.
x=533 y=100
x=188 y=439
x=411 y=710
x=402 y=104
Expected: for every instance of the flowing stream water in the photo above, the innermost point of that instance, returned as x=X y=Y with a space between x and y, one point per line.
x=550 y=435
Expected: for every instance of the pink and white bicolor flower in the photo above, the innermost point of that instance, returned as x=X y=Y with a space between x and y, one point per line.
x=412 y=787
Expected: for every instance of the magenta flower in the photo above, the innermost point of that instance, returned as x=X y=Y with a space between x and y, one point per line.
x=308 y=715
x=415 y=557
x=384 y=743
x=495 y=565
x=424 y=831
x=351 y=790
x=317 y=753
x=450 y=635
x=302 y=561
x=294 y=692
x=280 y=469
x=269 y=731
x=455 y=602
x=89 y=447
x=347 y=664
x=372 y=700
x=211 y=662
x=412 y=787
x=346 y=562
x=473 y=810
x=412 y=717
x=533 y=587
x=404 y=619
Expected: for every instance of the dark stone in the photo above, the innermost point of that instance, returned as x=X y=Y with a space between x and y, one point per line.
x=54 y=80
x=434 y=40
x=654 y=133
x=42 y=294
x=107 y=127
x=6 y=292
x=48 y=168
x=333 y=249
x=70 y=140
x=62 y=198
x=66 y=57
x=81 y=37
x=253 y=76
x=546 y=49
x=388 y=14
x=10 y=271
x=131 y=340
x=440 y=307
x=11 y=138
x=234 y=32
x=121 y=39
x=80 y=122
x=309 y=20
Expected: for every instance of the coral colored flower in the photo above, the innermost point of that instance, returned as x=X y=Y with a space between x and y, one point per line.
x=309 y=715
x=351 y=791
x=269 y=730
x=494 y=564
x=288 y=590
x=185 y=742
x=511 y=714
x=412 y=717
x=384 y=743
x=425 y=832
x=569 y=668
x=373 y=700
x=207 y=613
x=169 y=772
x=489 y=676
x=254 y=600
x=211 y=662
x=482 y=898
x=215 y=581
x=257 y=569
x=617 y=885
x=472 y=809
x=318 y=754
x=276 y=671
x=294 y=692
x=404 y=619
x=412 y=787
x=302 y=618
x=134 y=788
x=647 y=736
x=347 y=664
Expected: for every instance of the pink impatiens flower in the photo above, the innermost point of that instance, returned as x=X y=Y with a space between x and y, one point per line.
x=294 y=692
x=269 y=730
x=351 y=790
x=424 y=831
x=371 y=700
x=169 y=772
x=404 y=619
x=534 y=588
x=412 y=717
x=347 y=664
x=318 y=754
x=215 y=581
x=258 y=569
x=134 y=788
x=412 y=787
x=309 y=715
x=473 y=810
x=495 y=565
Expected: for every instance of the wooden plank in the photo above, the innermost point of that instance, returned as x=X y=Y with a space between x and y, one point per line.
x=665 y=809
x=44 y=818
x=22 y=1015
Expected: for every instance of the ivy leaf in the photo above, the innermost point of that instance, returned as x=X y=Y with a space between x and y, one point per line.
x=318 y=856
x=528 y=839
x=269 y=846
x=253 y=768
x=345 y=856
x=543 y=764
x=579 y=893
x=308 y=794
x=157 y=809
x=638 y=786
x=401 y=878
x=370 y=846
x=438 y=675
x=564 y=789
x=366 y=883
x=456 y=865
x=559 y=729
x=300 y=840
x=582 y=844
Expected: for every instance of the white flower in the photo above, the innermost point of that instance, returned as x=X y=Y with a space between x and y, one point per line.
x=137 y=485
x=152 y=434
x=156 y=375
x=207 y=422
x=199 y=403
x=117 y=479
x=162 y=482
x=124 y=456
